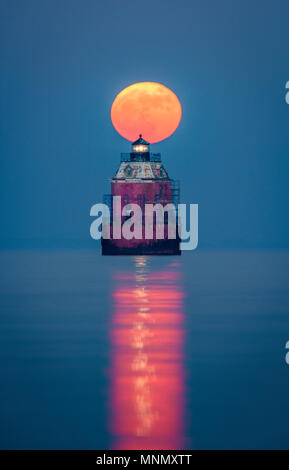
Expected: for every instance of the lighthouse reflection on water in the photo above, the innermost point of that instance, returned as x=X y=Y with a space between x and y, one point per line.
x=147 y=371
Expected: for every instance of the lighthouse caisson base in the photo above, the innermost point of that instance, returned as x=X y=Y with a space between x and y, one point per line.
x=142 y=179
x=156 y=247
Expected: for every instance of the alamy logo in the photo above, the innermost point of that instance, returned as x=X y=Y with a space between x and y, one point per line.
x=287 y=94
x=155 y=222
x=287 y=355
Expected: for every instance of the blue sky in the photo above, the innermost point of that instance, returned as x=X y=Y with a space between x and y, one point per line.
x=62 y=64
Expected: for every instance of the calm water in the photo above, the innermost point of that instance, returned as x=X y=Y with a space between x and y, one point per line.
x=144 y=352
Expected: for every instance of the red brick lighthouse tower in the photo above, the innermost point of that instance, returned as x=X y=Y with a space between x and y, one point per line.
x=142 y=179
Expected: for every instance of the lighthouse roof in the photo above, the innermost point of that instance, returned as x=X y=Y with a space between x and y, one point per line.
x=138 y=171
x=140 y=140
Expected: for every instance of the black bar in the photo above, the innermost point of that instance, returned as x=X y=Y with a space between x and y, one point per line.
x=129 y=459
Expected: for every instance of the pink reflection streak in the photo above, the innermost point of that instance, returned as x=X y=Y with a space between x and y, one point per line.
x=147 y=362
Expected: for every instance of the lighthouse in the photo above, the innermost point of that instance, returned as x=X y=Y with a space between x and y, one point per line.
x=142 y=179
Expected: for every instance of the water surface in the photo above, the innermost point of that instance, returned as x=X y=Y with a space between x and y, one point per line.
x=143 y=352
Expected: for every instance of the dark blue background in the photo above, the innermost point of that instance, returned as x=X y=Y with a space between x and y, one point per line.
x=62 y=64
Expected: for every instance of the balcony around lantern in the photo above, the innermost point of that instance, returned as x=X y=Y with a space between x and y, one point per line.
x=147 y=156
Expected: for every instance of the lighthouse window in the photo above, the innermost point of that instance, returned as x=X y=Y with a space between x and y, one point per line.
x=140 y=148
x=128 y=170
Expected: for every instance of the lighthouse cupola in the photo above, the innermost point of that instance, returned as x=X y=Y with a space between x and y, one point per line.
x=140 y=150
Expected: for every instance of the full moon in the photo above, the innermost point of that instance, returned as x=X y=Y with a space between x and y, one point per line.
x=146 y=108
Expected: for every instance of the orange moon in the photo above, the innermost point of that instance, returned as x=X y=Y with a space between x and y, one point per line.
x=146 y=108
